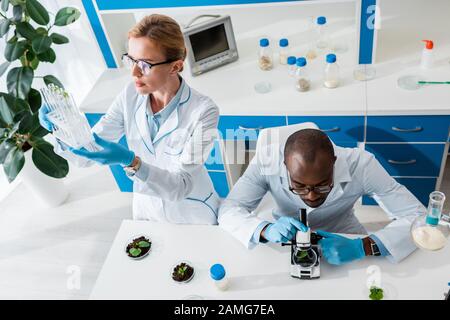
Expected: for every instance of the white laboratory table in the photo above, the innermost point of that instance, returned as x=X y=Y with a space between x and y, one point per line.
x=261 y=273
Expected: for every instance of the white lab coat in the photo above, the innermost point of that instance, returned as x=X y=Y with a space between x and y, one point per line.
x=178 y=188
x=357 y=172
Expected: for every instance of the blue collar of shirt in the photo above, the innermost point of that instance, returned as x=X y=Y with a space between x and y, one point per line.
x=164 y=113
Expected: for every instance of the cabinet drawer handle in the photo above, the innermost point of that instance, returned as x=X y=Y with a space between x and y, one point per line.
x=335 y=129
x=416 y=129
x=412 y=161
x=246 y=128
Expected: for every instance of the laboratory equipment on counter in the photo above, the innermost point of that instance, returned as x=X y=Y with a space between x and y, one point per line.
x=265 y=55
x=331 y=76
x=311 y=38
x=218 y=274
x=426 y=62
x=305 y=252
x=410 y=82
x=283 y=51
x=364 y=72
x=263 y=87
x=70 y=125
x=292 y=65
x=302 y=82
x=210 y=44
x=322 y=37
x=430 y=231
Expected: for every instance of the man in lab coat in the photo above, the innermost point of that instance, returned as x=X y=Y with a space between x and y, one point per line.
x=306 y=170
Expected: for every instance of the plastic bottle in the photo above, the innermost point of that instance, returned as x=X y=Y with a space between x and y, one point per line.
x=265 y=57
x=331 y=77
x=218 y=274
x=302 y=82
x=284 y=51
x=427 y=55
x=291 y=61
x=322 y=38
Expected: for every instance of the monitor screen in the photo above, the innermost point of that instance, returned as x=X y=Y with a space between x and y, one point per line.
x=209 y=42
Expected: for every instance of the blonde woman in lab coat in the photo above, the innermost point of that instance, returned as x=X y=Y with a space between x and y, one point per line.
x=169 y=127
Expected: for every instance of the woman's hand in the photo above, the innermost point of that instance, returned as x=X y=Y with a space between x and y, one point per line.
x=112 y=153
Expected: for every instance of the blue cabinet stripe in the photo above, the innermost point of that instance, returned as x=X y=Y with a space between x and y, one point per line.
x=99 y=34
x=144 y=4
x=366 y=31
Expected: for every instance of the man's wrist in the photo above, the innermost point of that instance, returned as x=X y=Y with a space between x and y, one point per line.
x=369 y=244
x=262 y=238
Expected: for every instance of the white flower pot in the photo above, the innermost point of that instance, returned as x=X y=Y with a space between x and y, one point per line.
x=49 y=191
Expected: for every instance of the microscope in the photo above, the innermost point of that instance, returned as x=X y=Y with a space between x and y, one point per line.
x=305 y=252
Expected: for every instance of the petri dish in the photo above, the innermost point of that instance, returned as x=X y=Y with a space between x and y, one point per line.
x=339 y=47
x=136 y=237
x=409 y=82
x=364 y=73
x=186 y=280
x=263 y=87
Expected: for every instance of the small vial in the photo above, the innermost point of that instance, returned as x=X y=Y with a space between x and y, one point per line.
x=331 y=77
x=302 y=82
x=291 y=61
x=265 y=57
x=322 y=38
x=217 y=272
x=284 y=51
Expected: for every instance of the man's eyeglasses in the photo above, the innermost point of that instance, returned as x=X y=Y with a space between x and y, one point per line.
x=144 y=66
x=305 y=190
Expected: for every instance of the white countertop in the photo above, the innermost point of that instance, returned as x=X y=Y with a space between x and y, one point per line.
x=261 y=273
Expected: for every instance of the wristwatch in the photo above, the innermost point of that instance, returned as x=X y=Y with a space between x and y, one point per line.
x=371 y=247
x=134 y=167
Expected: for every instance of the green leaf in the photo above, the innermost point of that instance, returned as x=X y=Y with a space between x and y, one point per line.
x=143 y=244
x=26 y=30
x=42 y=31
x=19 y=81
x=14 y=50
x=135 y=252
x=46 y=160
x=13 y=163
x=4 y=27
x=34 y=100
x=376 y=293
x=17 y=13
x=58 y=38
x=6 y=115
x=29 y=124
x=36 y=129
x=52 y=79
x=3 y=67
x=5 y=4
x=37 y=12
x=41 y=44
x=5 y=147
x=47 y=56
x=66 y=16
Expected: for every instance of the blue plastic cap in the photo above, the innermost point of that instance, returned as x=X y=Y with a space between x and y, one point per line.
x=291 y=60
x=321 y=20
x=284 y=42
x=264 y=42
x=217 y=271
x=301 y=62
x=331 y=58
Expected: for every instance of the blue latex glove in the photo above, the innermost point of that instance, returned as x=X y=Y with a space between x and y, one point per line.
x=112 y=153
x=339 y=250
x=283 y=230
x=43 y=120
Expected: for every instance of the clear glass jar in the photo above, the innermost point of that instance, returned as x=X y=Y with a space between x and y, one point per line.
x=302 y=82
x=430 y=231
x=284 y=51
x=265 y=56
x=322 y=36
x=218 y=274
x=292 y=65
x=331 y=76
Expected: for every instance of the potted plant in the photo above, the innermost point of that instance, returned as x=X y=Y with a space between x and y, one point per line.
x=182 y=272
x=138 y=247
x=28 y=32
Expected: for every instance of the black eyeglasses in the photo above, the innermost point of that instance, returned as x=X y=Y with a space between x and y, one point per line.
x=305 y=190
x=144 y=66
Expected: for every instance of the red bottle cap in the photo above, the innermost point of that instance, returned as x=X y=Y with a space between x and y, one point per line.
x=429 y=44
